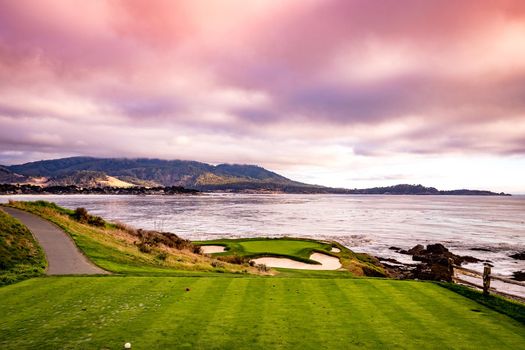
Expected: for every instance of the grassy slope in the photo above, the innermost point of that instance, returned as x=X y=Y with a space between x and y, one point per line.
x=246 y=313
x=114 y=250
x=297 y=249
x=511 y=308
x=20 y=255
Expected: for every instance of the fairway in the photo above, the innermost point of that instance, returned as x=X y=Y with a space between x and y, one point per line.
x=246 y=313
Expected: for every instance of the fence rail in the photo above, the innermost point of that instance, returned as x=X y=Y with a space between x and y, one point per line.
x=486 y=276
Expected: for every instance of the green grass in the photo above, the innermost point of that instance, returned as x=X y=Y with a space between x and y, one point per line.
x=246 y=313
x=113 y=249
x=298 y=249
x=20 y=256
x=511 y=308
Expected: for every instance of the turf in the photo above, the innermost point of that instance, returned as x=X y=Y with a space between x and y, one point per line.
x=246 y=313
x=111 y=249
x=298 y=249
x=20 y=255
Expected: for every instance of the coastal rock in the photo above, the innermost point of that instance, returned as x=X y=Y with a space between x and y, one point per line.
x=518 y=256
x=433 y=272
x=417 y=250
x=434 y=263
x=480 y=249
x=518 y=275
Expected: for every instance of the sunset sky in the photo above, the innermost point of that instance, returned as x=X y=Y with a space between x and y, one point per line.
x=339 y=93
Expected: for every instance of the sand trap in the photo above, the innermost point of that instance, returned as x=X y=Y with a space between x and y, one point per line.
x=211 y=249
x=335 y=250
x=327 y=262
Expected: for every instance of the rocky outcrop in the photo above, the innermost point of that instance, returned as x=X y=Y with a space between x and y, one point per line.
x=434 y=263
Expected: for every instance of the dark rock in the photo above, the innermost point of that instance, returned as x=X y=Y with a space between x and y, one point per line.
x=469 y=259
x=417 y=250
x=518 y=275
x=370 y=272
x=482 y=249
x=393 y=261
x=395 y=248
x=437 y=248
x=433 y=272
x=434 y=263
x=518 y=256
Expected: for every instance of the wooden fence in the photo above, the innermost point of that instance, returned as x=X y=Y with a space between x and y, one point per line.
x=486 y=277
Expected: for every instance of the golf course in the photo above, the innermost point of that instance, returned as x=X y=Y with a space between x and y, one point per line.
x=160 y=292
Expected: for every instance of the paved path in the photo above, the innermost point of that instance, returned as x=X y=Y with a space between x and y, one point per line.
x=63 y=256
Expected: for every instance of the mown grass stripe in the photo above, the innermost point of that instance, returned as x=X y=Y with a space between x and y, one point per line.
x=459 y=314
x=362 y=315
x=417 y=328
x=323 y=328
x=249 y=322
x=219 y=330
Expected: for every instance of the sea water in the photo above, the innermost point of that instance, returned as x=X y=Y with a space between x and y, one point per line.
x=364 y=223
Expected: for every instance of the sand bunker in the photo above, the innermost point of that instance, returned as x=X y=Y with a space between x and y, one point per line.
x=335 y=250
x=210 y=249
x=327 y=262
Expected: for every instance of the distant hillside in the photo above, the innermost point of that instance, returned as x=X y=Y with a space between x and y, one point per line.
x=124 y=172
x=7 y=176
x=87 y=171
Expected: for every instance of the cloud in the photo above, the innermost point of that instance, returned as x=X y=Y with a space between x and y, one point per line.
x=320 y=81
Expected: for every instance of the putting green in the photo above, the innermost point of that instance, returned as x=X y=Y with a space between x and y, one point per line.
x=298 y=249
x=246 y=313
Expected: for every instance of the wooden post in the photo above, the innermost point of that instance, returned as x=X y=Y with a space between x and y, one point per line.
x=451 y=269
x=486 y=279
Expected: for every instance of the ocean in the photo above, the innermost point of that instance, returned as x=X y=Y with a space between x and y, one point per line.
x=488 y=228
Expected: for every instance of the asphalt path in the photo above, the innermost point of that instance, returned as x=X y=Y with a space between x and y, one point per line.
x=63 y=256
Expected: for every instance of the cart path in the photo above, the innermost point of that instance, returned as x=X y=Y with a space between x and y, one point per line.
x=62 y=255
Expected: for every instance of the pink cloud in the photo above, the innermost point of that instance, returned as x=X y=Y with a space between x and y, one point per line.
x=387 y=77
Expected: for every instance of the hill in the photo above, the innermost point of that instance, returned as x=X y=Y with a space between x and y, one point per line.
x=20 y=256
x=92 y=172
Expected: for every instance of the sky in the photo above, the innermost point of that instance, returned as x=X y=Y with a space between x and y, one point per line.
x=348 y=93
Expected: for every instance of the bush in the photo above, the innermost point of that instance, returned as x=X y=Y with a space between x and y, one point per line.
x=96 y=221
x=262 y=268
x=156 y=238
x=162 y=256
x=217 y=264
x=81 y=215
x=144 y=248
x=126 y=228
x=234 y=259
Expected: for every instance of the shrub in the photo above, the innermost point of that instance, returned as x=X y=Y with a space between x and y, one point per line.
x=262 y=267
x=81 y=215
x=124 y=227
x=144 y=248
x=96 y=221
x=217 y=264
x=234 y=259
x=162 y=256
x=156 y=238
